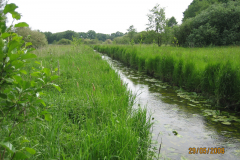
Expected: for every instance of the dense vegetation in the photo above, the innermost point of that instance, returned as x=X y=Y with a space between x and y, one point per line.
x=205 y=23
x=217 y=25
x=37 y=38
x=197 y=6
x=89 y=117
x=88 y=37
x=211 y=71
x=93 y=116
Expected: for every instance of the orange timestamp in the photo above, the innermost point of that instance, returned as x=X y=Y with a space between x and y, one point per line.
x=206 y=150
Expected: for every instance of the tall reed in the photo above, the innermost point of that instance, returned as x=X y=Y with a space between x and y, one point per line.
x=213 y=72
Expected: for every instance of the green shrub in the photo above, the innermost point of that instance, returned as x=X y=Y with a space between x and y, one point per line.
x=64 y=41
x=37 y=38
x=20 y=88
x=108 y=41
x=217 y=25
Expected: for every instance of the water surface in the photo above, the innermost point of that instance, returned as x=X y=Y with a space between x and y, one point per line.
x=173 y=113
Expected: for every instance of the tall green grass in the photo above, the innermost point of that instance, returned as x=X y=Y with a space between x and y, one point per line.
x=92 y=118
x=213 y=72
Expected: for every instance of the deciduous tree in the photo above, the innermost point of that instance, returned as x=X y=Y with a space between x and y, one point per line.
x=157 y=21
x=131 y=32
x=172 y=22
x=91 y=34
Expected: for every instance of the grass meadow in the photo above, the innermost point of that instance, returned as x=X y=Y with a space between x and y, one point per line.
x=92 y=117
x=213 y=72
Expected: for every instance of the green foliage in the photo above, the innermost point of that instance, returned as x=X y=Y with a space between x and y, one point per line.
x=171 y=22
x=211 y=71
x=157 y=21
x=197 y=6
x=19 y=97
x=183 y=31
x=76 y=42
x=108 y=41
x=131 y=32
x=122 y=40
x=217 y=25
x=60 y=35
x=54 y=37
x=93 y=109
x=37 y=39
x=91 y=41
x=132 y=42
x=91 y=34
x=64 y=41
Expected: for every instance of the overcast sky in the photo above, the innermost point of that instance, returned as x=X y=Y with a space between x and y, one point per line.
x=102 y=16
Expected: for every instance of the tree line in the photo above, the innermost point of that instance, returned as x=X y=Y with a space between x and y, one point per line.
x=90 y=35
x=204 y=23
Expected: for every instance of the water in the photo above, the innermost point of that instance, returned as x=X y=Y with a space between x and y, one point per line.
x=172 y=113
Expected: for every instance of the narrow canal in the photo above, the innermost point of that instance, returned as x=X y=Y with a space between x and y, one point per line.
x=179 y=121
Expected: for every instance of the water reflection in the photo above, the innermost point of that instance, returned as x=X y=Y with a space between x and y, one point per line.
x=173 y=113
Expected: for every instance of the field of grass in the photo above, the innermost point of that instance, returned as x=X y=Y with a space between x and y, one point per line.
x=214 y=72
x=91 y=118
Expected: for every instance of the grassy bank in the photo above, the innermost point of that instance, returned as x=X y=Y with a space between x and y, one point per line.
x=213 y=72
x=92 y=117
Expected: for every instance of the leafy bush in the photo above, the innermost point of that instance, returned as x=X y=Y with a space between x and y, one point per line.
x=19 y=94
x=108 y=41
x=37 y=39
x=122 y=40
x=64 y=41
x=217 y=25
x=183 y=31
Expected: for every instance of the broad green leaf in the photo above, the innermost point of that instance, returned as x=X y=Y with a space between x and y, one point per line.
x=37 y=62
x=23 y=71
x=8 y=146
x=16 y=15
x=5 y=35
x=13 y=57
x=21 y=155
x=4 y=96
x=48 y=117
x=30 y=49
x=47 y=71
x=28 y=44
x=12 y=45
x=56 y=86
x=40 y=79
x=41 y=101
x=30 y=150
x=36 y=74
x=17 y=64
x=28 y=55
x=18 y=79
x=9 y=8
x=26 y=85
x=33 y=83
x=54 y=77
x=21 y=24
x=44 y=112
x=56 y=69
x=3 y=26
